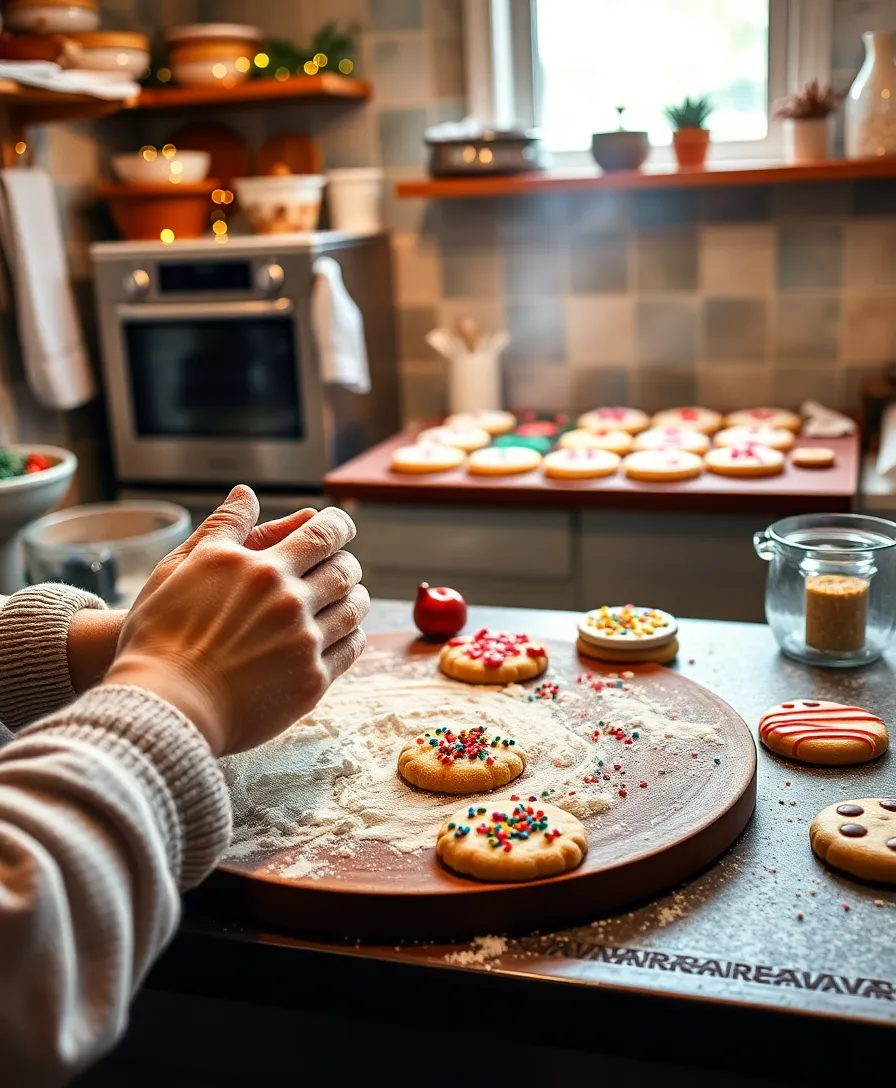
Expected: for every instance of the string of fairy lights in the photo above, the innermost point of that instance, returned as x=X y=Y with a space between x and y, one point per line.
x=262 y=62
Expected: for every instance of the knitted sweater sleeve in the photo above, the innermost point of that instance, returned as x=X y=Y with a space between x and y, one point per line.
x=107 y=808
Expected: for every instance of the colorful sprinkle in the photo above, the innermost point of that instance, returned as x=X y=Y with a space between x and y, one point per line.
x=627 y=621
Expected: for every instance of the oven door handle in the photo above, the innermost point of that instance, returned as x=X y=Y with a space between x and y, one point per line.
x=192 y=311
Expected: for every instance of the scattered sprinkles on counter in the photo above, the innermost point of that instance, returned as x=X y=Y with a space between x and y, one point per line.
x=627 y=621
x=472 y=743
x=502 y=828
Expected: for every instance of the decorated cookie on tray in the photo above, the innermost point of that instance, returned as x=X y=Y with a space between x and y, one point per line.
x=512 y=841
x=776 y=418
x=662 y=466
x=775 y=438
x=672 y=438
x=426 y=457
x=813 y=457
x=503 y=461
x=493 y=657
x=492 y=420
x=618 y=442
x=580 y=464
x=628 y=634
x=748 y=459
x=858 y=837
x=631 y=420
x=463 y=438
x=698 y=419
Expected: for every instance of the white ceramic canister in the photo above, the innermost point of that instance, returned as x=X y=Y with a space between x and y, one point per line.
x=871 y=103
x=354 y=199
x=474 y=382
x=807 y=139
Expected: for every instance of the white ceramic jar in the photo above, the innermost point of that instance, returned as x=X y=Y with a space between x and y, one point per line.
x=871 y=103
x=807 y=139
x=354 y=199
x=50 y=16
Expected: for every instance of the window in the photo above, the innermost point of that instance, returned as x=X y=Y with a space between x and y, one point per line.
x=566 y=65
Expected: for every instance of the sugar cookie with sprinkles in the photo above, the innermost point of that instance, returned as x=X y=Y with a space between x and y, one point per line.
x=628 y=633
x=512 y=841
x=817 y=731
x=493 y=657
x=448 y=760
x=632 y=420
x=858 y=837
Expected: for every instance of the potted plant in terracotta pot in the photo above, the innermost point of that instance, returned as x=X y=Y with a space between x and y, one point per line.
x=807 y=122
x=689 y=137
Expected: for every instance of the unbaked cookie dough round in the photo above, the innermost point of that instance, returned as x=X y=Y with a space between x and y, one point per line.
x=775 y=439
x=463 y=438
x=472 y=760
x=813 y=457
x=503 y=461
x=817 y=731
x=512 y=841
x=858 y=837
x=672 y=438
x=748 y=460
x=426 y=458
x=764 y=417
x=580 y=464
x=662 y=466
x=618 y=442
x=493 y=657
x=492 y=420
x=698 y=419
x=615 y=419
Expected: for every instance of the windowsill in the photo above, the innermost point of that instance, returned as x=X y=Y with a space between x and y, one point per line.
x=649 y=177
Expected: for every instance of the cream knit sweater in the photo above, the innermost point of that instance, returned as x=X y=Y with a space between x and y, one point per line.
x=109 y=805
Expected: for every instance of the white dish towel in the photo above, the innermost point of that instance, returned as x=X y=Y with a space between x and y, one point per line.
x=53 y=351
x=338 y=329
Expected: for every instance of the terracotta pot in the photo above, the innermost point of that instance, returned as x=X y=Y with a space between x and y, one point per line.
x=691 y=145
x=143 y=212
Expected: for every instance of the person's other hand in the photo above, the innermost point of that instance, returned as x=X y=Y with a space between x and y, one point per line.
x=242 y=628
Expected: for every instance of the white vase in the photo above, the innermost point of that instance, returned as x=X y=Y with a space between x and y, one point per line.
x=807 y=139
x=871 y=104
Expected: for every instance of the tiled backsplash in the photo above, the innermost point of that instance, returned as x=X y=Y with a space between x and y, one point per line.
x=723 y=295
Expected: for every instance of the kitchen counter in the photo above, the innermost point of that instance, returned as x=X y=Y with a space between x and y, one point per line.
x=767 y=961
x=369 y=478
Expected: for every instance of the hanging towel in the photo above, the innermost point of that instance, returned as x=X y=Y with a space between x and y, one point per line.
x=338 y=329
x=53 y=352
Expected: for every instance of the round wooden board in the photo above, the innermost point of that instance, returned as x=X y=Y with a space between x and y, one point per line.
x=648 y=841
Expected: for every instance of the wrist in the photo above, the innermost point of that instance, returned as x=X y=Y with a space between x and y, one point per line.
x=91 y=645
x=185 y=693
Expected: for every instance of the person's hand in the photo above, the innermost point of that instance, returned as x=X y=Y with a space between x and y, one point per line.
x=243 y=629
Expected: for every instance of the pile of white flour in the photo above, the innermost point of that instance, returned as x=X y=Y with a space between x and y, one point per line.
x=330 y=781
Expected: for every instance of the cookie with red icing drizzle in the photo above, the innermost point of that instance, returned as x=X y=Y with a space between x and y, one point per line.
x=493 y=657
x=814 y=731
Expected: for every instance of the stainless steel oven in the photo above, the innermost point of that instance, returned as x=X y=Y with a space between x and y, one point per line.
x=211 y=369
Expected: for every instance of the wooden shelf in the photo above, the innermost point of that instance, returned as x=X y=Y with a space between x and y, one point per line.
x=665 y=177
x=324 y=86
x=32 y=105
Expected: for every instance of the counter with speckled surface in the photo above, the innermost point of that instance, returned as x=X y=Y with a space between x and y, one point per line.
x=768 y=930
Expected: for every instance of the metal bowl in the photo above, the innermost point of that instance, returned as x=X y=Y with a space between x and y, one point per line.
x=620 y=150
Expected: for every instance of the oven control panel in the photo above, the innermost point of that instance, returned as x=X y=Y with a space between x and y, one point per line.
x=218 y=278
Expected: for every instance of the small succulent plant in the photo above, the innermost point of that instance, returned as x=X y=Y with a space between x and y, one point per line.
x=692 y=113
x=811 y=101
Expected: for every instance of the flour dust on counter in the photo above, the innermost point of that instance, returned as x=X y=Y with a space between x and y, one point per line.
x=330 y=783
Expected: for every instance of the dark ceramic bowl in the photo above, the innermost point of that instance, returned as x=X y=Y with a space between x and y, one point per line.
x=620 y=150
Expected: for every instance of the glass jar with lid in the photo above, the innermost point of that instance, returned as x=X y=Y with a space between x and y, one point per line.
x=830 y=598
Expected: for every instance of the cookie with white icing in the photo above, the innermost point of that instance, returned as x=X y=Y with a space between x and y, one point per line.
x=463 y=438
x=493 y=657
x=662 y=466
x=818 y=731
x=493 y=420
x=747 y=460
x=618 y=442
x=512 y=841
x=448 y=760
x=777 y=418
x=813 y=457
x=418 y=460
x=503 y=461
x=632 y=420
x=672 y=438
x=580 y=464
x=698 y=419
x=858 y=837
x=775 y=439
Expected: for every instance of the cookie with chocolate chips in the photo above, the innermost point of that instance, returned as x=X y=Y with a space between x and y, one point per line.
x=858 y=837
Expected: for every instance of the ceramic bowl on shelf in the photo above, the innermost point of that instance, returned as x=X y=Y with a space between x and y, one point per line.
x=124 y=55
x=160 y=212
x=144 y=169
x=280 y=203
x=50 y=16
x=209 y=54
x=620 y=150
